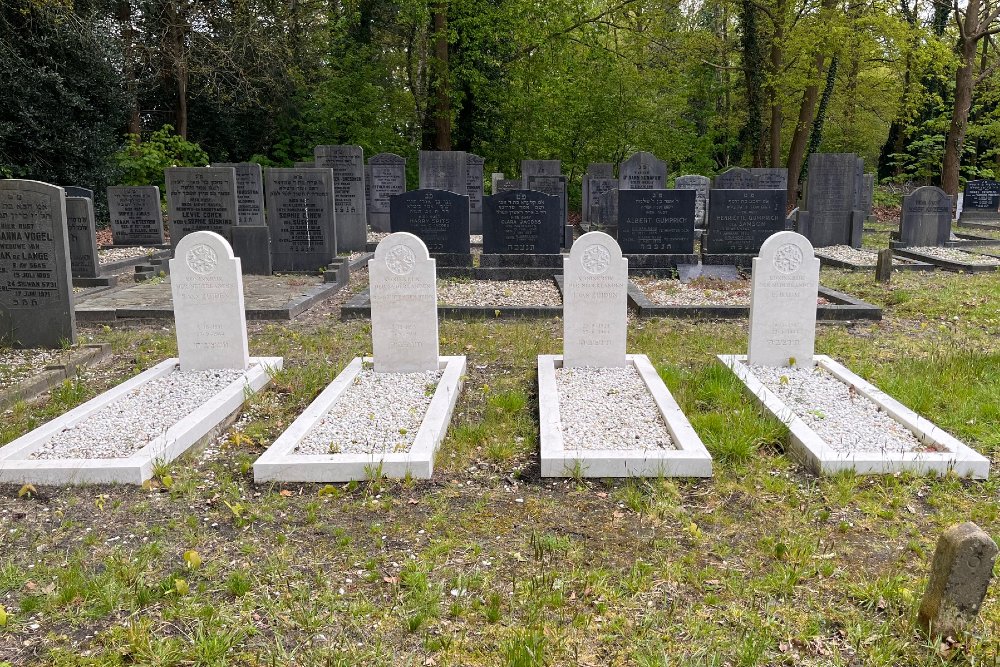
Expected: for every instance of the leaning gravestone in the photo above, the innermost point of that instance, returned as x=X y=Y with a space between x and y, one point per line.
x=36 y=290
x=739 y=221
x=642 y=171
x=348 y=164
x=595 y=306
x=82 y=234
x=521 y=222
x=981 y=201
x=656 y=221
x=403 y=293
x=77 y=191
x=701 y=185
x=530 y=168
x=201 y=199
x=249 y=191
x=437 y=217
x=136 y=216
x=769 y=178
x=301 y=217
x=926 y=217
x=444 y=170
x=474 y=188
x=832 y=214
x=388 y=179
x=783 y=302
x=735 y=178
x=207 y=287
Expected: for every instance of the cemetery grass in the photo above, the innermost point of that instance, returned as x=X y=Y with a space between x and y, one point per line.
x=487 y=564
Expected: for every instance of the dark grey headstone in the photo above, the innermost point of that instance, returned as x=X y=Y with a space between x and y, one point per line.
x=36 y=290
x=521 y=221
x=597 y=187
x=981 y=200
x=506 y=185
x=657 y=222
x=252 y=244
x=388 y=179
x=595 y=170
x=495 y=178
x=474 y=188
x=77 y=191
x=734 y=178
x=701 y=185
x=249 y=191
x=601 y=169
x=833 y=199
x=926 y=217
x=201 y=199
x=348 y=164
x=607 y=208
x=82 y=234
x=444 y=170
x=531 y=168
x=770 y=178
x=739 y=221
x=136 y=215
x=368 y=193
x=438 y=217
x=301 y=215
x=642 y=171
x=554 y=186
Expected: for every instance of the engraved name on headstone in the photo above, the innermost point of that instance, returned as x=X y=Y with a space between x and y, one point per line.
x=249 y=191
x=521 y=221
x=437 y=217
x=388 y=179
x=656 y=221
x=301 y=205
x=201 y=199
x=348 y=164
x=135 y=214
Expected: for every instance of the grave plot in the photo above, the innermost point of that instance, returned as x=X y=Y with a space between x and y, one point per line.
x=863 y=259
x=386 y=415
x=154 y=417
x=24 y=374
x=951 y=259
x=837 y=421
x=602 y=412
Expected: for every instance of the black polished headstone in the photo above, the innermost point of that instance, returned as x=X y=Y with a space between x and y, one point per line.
x=642 y=171
x=135 y=214
x=301 y=217
x=438 y=217
x=388 y=172
x=925 y=219
x=36 y=290
x=735 y=178
x=201 y=199
x=981 y=200
x=249 y=191
x=656 y=221
x=521 y=221
x=252 y=244
x=82 y=234
x=348 y=165
x=739 y=221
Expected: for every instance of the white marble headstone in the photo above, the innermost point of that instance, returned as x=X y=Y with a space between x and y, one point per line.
x=595 y=297
x=783 y=302
x=207 y=286
x=403 y=288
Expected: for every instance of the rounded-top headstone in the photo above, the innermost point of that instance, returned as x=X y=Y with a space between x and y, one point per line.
x=783 y=302
x=595 y=306
x=207 y=286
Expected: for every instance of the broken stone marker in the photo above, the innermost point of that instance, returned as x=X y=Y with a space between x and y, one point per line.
x=883 y=268
x=960 y=575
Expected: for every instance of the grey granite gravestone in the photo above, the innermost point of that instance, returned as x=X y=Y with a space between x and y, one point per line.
x=656 y=221
x=201 y=199
x=495 y=178
x=981 y=200
x=769 y=178
x=301 y=216
x=474 y=188
x=135 y=214
x=531 y=168
x=521 y=221
x=252 y=244
x=82 y=234
x=368 y=194
x=554 y=186
x=506 y=185
x=734 y=178
x=77 y=191
x=444 y=170
x=701 y=185
x=926 y=217
x=607 y=209
x=603 y=170
x=348 y=164
x=388 y=179
x=642 y=171
x=36 y=290
x=597 y=187
x=249 y=191
x=832 y=214
x=437 y=217
x=739 y=221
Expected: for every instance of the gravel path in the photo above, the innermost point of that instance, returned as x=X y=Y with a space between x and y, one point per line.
x=131 y=422
x=609 y=408
x=375 y=237
x=847 y=421
x=498 y=293
x=698 y=292
x=379 y=412
x=108 y=255
x=846 y=253
x=955 y=255
x=17 y=365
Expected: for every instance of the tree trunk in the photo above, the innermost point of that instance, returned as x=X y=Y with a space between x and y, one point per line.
x=178 y=65
x=800 y=137
x=442 y=87
x=964 y=81
x=128 y=65
x=753 y=77
x=776 y=60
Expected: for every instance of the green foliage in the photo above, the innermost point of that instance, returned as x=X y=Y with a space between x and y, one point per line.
x=143 y=162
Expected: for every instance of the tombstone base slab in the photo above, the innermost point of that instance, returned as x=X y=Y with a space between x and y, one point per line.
x=561 y=459
x=813 y=452
x=945 y=264
x=54 y=374
x=648 y=264
x=553 y=261
x=452 y=258
x=741 y=260
x=280 y=463
x=16 y=467
x=100 y=281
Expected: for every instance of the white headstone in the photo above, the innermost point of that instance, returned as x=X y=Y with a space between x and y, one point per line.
x=783 y=302
x=403 y=289
x=207 y=286
x=595 y=306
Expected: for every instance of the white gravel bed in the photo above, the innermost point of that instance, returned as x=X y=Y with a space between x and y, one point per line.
x=609 y=408
x=375 y=237
x=18 y=365
x=698 y=292
x=955 y=255
x=379 y=412
x=476 y=239
x=847 y=421
x=108 y=255
x=846 y=253
x=499 y=293
x=130 y=423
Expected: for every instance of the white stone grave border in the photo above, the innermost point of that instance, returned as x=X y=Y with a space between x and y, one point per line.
x=690 y=459
x=15 y=467
x=809 y=448
x=280 y=463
